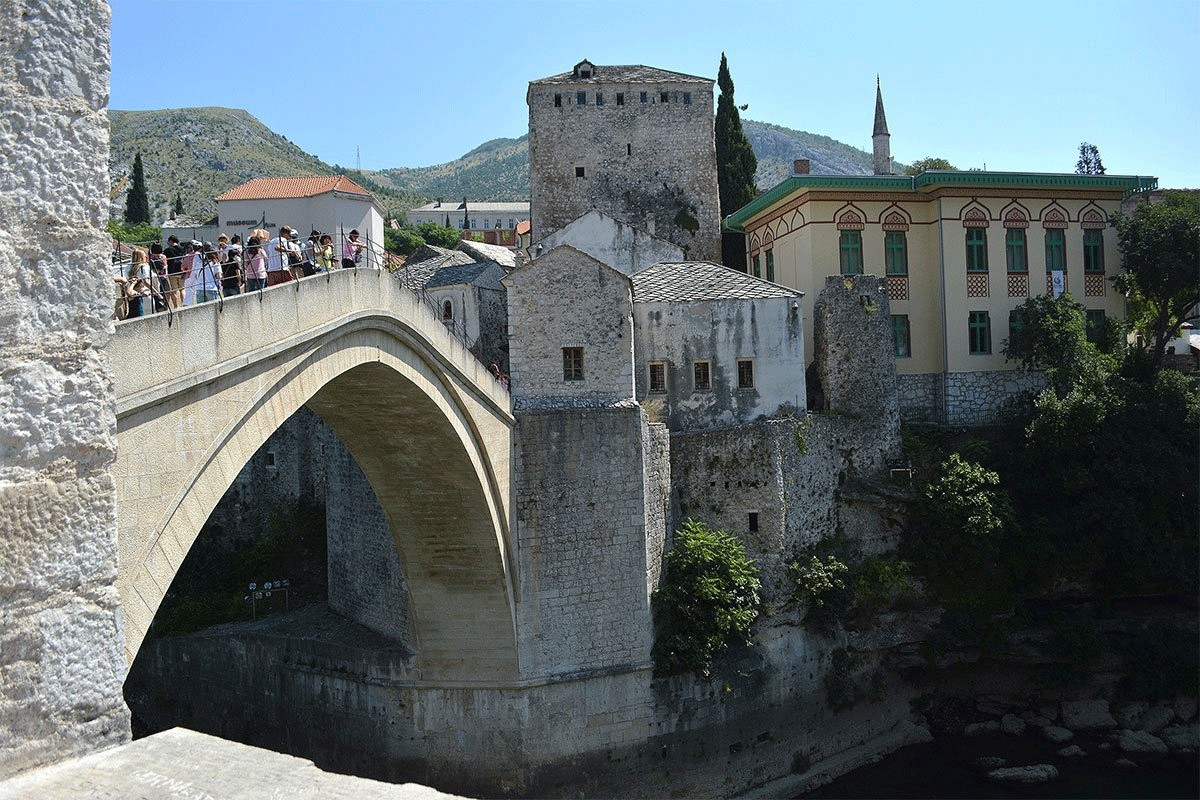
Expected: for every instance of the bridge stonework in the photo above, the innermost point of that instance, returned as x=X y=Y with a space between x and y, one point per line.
x=199 y=393
x=60 y=626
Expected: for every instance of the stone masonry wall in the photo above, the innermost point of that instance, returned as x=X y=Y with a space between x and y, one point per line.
x=366 y=578
x=61 y=661
x=975 y=398
x=582 y=529
x=650 y=164
x=920 y=397
x=568 y=299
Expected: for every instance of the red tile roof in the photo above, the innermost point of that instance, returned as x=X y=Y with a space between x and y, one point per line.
x=277 y=188
x=523 y=227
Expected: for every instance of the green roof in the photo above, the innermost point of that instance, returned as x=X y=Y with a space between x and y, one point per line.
x=932 y=179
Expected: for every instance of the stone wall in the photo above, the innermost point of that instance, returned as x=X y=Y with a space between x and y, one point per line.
x=975 y=398
x=493 y=327
x=583 y=527
x=568 y=299
x=920 y=397
x=650 y=164
x=60 y=637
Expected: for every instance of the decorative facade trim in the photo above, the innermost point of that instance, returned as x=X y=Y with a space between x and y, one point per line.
x=1054 y=216
x=1093 y=219
x=850 y=220
x=975 y=217
x=1016 y=217
x=895 y=220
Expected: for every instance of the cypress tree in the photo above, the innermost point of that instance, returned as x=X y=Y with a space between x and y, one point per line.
x=178 y=203
x=137 y=205
x=736 y=164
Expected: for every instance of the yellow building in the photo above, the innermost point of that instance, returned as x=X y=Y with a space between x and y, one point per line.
x=960 y=250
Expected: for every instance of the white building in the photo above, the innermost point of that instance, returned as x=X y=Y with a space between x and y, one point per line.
x=332 y=204
x=491 y=223
x=624 y=247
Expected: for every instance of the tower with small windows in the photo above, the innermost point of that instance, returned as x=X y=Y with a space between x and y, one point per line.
x=634 y=142
x=881 y=140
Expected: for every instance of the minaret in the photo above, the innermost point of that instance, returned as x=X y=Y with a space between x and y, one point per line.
x=881 y=140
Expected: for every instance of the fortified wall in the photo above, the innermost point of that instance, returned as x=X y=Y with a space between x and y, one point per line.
x=61 y=663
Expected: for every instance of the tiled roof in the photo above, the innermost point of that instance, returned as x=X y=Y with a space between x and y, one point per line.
x=626 y=73
x=454 y=274
x=490 y=252
x=523 y=227
x=277 y=188
x=427 y=251
x=682 y=281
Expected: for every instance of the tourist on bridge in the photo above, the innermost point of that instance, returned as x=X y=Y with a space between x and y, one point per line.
x=254 y=265
x=277 y=261
x=352 y=250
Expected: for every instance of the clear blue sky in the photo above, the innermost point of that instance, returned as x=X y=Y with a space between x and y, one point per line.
x=1013 y=85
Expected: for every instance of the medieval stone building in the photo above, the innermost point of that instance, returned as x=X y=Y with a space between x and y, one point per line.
x=634 y=142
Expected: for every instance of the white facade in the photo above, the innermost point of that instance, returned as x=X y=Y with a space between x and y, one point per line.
x=336 y=213
x=610 y=241
x=481 y=216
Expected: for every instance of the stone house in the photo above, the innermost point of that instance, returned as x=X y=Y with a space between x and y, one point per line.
x=626 y=248
x=635 y=142
x=716 y=346
x=959 y=249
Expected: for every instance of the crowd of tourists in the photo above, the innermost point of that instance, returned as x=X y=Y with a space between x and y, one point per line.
x=188 y=273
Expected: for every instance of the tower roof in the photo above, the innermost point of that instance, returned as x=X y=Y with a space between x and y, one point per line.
x=880 y=117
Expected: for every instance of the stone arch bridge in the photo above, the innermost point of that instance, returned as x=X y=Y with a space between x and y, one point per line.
x=198 y=392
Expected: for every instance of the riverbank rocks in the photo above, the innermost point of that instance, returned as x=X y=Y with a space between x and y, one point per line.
x=1056 y=734
x=1012 y=724
x=1155 y=719
x=1034 y=773
x=1129 y=714
x=1185 y=708
x=1035 y=720
x=1140 y=742
x=1181 y=738
x=1072 y=751
x=1081 y=715
x=976 y=728
x=1125 y=762
x=989 y=763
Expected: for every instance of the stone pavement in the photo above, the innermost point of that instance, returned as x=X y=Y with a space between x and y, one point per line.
x=180 y=764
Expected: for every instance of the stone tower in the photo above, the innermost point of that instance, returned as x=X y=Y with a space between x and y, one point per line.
x=881 y=140
x=633 y=142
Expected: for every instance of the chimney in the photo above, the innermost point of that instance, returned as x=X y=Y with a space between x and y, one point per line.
x=801 y=166
x=438 y=203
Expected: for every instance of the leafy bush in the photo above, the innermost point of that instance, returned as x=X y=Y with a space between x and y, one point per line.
x=140 y=233
x=815 y=579
x=709 y=600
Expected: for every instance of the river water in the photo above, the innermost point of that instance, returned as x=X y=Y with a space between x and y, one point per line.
x=943 y=769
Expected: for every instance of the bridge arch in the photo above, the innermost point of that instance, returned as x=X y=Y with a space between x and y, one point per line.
x=425 y=422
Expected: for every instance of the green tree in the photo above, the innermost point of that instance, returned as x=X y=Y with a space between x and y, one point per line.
x=439 y=235
x=137 y=205
x=736 y=164
x=708 y=600
x=1089 y=162
x=466 y=218
x=925 y=164
x=141 y=233
x=178 y=203
x=1160 y=258
x=1051 y=334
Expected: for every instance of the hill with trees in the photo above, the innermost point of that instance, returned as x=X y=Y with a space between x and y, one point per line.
x=195 y=154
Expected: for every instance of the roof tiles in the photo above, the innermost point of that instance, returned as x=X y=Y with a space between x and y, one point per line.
x=683 y=281
x=277 y=188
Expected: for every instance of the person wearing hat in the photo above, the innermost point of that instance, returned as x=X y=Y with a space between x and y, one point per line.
x=222 y=246
x=295 y=258
x=231 y=271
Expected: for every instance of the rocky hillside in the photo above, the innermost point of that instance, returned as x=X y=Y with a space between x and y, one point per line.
x=201 y=152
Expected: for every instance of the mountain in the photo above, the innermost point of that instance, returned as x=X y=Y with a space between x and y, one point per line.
x=200 y=153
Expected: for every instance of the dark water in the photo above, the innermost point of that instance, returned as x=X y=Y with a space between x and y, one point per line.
x=943 y=769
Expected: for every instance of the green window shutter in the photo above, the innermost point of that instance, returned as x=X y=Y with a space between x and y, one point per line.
x=1093 y=250
x=757 y=267
x=895 y=252
x=1056 y=255
x=901 y=341
x=977 y=250
x=770 y=265
x=1014 y=250
x=979 y=329
x=850 y=245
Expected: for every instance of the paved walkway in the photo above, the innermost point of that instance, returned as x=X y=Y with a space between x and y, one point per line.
x=180 y=764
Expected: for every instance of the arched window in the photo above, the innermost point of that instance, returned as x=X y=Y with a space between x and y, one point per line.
x=447 y=311
x=850 y=259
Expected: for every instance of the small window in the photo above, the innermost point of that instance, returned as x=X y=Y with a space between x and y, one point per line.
x=1095 y=329
x=512 y=223
x=979 y=331
x=752 y=522
x=770 y=265
x=1056 y=250
x=1014 y=250
x=629 y=148
x=585 y=73
x=620 y=98
x=901 y=336
x=581 y=98
x=895 y=253
x=702 y=376
x=1093 y=250
x=663 y=97
x=1015 y=323
x=658 y=377
x=487 y=223
x=599 y=98
x=580 y=172
x=687 y=98
x=745 y=368
x=850 y=252
x=977 y=250
x=572 y=363
x=270 y=458
x=558 y=101
x=645 y=97
x=756 y=266
x=447 y=311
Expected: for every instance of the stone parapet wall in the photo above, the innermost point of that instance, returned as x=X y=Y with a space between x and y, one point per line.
x=975 y=398
x=60 y=636
x=920 y=397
